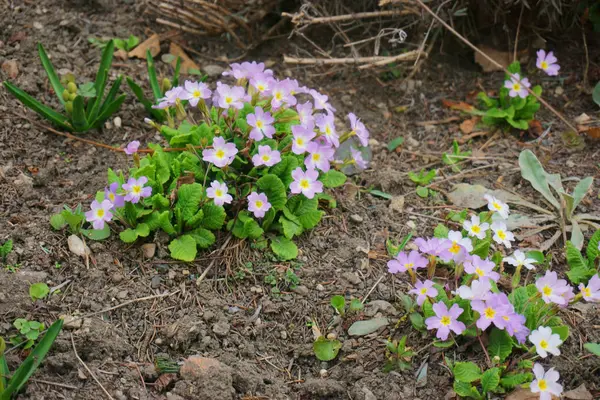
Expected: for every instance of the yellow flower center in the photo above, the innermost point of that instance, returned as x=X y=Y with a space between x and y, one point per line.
x=304 y=184
x=300 y=142
x=542 y=385
x=197 y=93
x=260 y=88
x=505 y=317
x=259 y=124
x=218 y=193
x=501 y=235
x=495 y=204
x=220 y=153
x=476 y=228
x=136 y=189
x=544 y=344
x=100 y=213
x=424 y=290
x=409 y=265
x=258 y=204
x=544 y=65
x=328 y=130
x=479 y=272
x=278 y=96
x=490 y=313
x=316 y=156
x=445 y=320
x=547 y=290
x=111 y=196
x=586 y=292
x=455 y=248
x=228 y=99
x=266 y=158
x=516 y=86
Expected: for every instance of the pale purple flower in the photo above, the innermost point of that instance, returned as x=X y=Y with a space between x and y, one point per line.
x=481 y=268
x=171 y=97
x=591 y=292
x=132 y=147
x=517 y=86
x=434 y=246
x=359 y=129
x=195 y=91
x=460 y=247
x=319 y=156
x=547 y=62
x=480 y=290
x=221 y=154
x=326 y=125
x=545 y=382
x=111 y=195
x=281 y=94
x=475 y=228
x=404 y=262
x=261 y=123
x=230 y=96
x=99 y=213
x=502 y=235
x=358 y=159
x=262 y=83
x=305 y=115
x=520 y=259
x=515 y=326
x=306 y=182
x=258 y=204
x=545 y=341
x=247 y=70
x=302 y=137
x=218 y=192
x=445 y=320
x=568 y=295
x=491 y=310
x=553 y=290
x=423 y=290
x=135 y=189
x=321 y=101
x=266 y=156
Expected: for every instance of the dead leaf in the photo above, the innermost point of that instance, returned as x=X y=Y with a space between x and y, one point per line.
x=535 y=128
x=10 y=68
x=524 y=394
x=579 y=393
x=121 y=54
x=594 y=132
x=582 y=119
x=164 y=381
x=152 y=44
x=457 y=105
x=468 y=125
x=17 y=37
x=186 y=62
x=504 y=58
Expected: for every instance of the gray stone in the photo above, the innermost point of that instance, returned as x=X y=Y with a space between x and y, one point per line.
x=356 y=218
x=221 y=328
x=155 y=282
x=301 y=290
x=351 y=277
x=213 y=70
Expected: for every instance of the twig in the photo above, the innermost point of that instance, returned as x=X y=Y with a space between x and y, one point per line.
x=304 y=19
x=373 y=288
x=517 y=34
x=587 y=58
x=62 y=385
x=89 y=370
x=411 y=55
x=207 y=270
x=498 y=65
x=408 y=56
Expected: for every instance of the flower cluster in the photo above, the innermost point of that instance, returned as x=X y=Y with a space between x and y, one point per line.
x=471 y=303
x=518 y=86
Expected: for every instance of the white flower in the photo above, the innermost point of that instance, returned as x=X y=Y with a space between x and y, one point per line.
x=475 y=227
x=458 y=240
x=501 y=235
x=545 y=382
x=545 y=341
x=479 y=290
x=519 y=259
x=496 y=205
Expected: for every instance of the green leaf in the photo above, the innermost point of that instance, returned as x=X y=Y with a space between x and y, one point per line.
x=176 y=72
x=379 y=193
x=395 y=143
x=580 y=191
x=325 y=349
x=339 y=303
x=593 y=348
x=101 y=78
x=284 y=248
x=97 y=234
x=87 y=90
x=356 y=305
x=422 y=191
x=310 y=219
x=130 y=235
x=290 y=228
x=482 y=249
x=511 y=381
x=183 y=248
x=188 y=199
x=466 y=372
x=108 y=111
x=272 y=186
x=38 y=291
x=132 y=42
x=157 y=114
x=57 y=221
x=332 y=178
x=284 y=168
x=365 y=327
x=78 y=118
x=441 y=231
x=112 y=94
x=52 y=77
x=500 y=344
x=514 y=68
x=562 y=331
x=443 y=345
x=532 y=170
x=537 y=255
x=152 y=76
x=417 y=320
x=592 y=251
x=495 y=113
x=578 y=266
x=464 y=389
x=214 y=216
x=596 y=94
x=203 y=237
x=490 y=380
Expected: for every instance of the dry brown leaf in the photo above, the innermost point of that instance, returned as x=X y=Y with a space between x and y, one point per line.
x=186 y=62
x=524 y=394
x=535 y=128
x=457 y=105
x=504 y=58
x=594 y=132
x=121 y=54
x=164 y=381
x=468 y=125
x=152 y=44
x=579 y=393
x=10 y=68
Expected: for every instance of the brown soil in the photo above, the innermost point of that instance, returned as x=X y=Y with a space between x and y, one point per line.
x=234 y=316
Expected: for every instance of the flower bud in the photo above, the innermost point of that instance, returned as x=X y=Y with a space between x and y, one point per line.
x=66 y=95
x=165 y=85
x=72 y=96
x=69 y=106
x=72 y=87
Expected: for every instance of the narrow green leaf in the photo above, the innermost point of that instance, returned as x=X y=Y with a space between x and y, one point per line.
x=379 y=193
x=110 y=109
x=596 y=94
x=157 y=114
x=580 y=191
x=101 y=78
x=176 y=72
x=593 y=348
x=112 y=93
x=52 y=77
x=80 y=122
x=395 y=143
x=152 y=76
x=4 y=372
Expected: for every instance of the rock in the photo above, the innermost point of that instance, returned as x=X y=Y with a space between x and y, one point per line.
x=320 y=287
x=38 y=26
x=62 y=48
x=323 y=373
x=148 y=250
x=71 y=322
x=411 y=224
x=356 y=218
x=76 y=246
x=379 y=305
x=368 y=394
x=221 y=328
x=208 y=316
x=23 y=181
x=347 y=100
x=570 y=164
x=301 y=290
x=117 y=122
x=209 y=378
x=323 y=388
x=411 y=143
x=397 y=203
x=10 y=68
x=351 y=277
x=283 y=335
x=122 y=294
x=116 y=278
x=559 y=91
x=213 y=70
x=155 y=282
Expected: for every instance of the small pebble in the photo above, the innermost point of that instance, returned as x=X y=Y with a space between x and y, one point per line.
x=283 y=335
x=117 y=122
x=323 y=373
x=155 y=282
x=356 y=218
x=320 y=287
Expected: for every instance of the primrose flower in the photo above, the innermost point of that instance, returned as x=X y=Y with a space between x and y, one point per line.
x=305 y=114
x=459 y=246
x=480 y=290
x=261 y=123
x=501 y=235
x=475 y=228
x=171 y=97
x=491 y=310
x=135 y=190
x=358 y=159
x=515 y=326
x=247 y=70
x=434 y=247
x=358 y=129
x=111 y=195
x=423 y=290
x=221 y=154
x=404 y=262
x=230 y=96
x=591 y=292
x=258 y=204
x=517 y=86
x=195 y=91
x=99 y=213
x=326 y=125
x=553 y=290
x=481 y=268
x=132 y=147
x=496 y=205
x=547 y=62
x=445 y=320
x=262 y=83
x=545 y=382
x=302 y=137
x=321 y=101
x=545 y=341
x=266 y=157
x=218 y=192
x=306 y=182
x=319 y=156
x=281 y=92
x=520 y=259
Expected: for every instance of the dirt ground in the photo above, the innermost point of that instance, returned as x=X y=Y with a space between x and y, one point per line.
x=260 y=336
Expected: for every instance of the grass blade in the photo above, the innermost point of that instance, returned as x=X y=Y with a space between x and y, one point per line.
x=80 y=122
x=102 y=77
x=4 y=372
x=112 y=94
x=46 y=112
x=49 y=68
x=157 y=114
x=35 y=358
x=176 y=73
x=108 y=111
x=152 y=76
x=18 y=379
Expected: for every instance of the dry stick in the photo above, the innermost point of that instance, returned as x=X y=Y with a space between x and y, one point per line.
x=517 y=34
x=89 y=370
x=303 y=19
x=373 y=288
x=471 y=45
x=587 y=59
x=62 y=385
x=201 y=277
x=411 y=55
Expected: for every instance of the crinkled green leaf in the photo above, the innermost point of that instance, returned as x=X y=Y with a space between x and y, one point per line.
x=203 y=237
x=490 y=380
x=499 y=344
x=332 y=178
x=466 y=372
x=183 y=248
x=273 y=187
x=214 y=216
x=284 y=248
x=188 y=199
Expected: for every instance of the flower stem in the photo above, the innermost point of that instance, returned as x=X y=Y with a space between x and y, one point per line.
x=487 y=356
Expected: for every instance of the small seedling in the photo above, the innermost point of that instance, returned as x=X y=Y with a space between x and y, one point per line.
x=74 y=218
x=29 y=331
x=121 y=44
x=5 y=250
x=399 y=357
x=339 y=304
x=423 y=178
x=38 y=291
x=455 y=156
